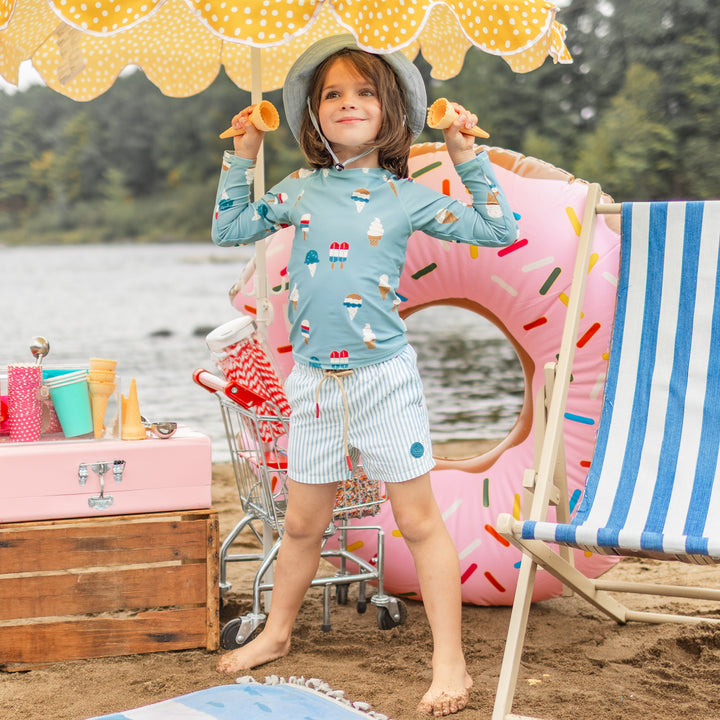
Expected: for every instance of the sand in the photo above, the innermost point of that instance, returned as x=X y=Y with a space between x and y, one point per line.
x=576 y=664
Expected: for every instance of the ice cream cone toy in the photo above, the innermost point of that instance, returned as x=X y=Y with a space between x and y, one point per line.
x=102 y=364
x=264 y=117
x=132 y=425
x=442 y=114
x=100 y=393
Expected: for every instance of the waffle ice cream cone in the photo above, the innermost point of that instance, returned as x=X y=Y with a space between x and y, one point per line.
x=264 y=117
x=441 y=115
x=103 y=364
x=100 y=393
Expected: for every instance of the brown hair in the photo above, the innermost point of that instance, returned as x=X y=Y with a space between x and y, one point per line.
x=395 y=136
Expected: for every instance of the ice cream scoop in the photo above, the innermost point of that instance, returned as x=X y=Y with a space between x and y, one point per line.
x=264 y=117
x=442 y=114
x=39 y=347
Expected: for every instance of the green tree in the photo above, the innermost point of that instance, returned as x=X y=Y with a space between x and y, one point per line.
x=78 y=168
x=632 y=152
x=19 y=184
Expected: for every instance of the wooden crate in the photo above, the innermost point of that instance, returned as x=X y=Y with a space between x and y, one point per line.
x=116 y=585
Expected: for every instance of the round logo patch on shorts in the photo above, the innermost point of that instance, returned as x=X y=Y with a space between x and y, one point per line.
x=417 y=450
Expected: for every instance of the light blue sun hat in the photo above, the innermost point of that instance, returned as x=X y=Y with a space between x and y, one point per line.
x=295 y=90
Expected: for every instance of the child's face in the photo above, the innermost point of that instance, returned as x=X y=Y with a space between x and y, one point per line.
x=350 y=113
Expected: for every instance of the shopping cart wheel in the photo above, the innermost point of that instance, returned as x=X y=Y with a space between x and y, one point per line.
x=341 y=594
x=362 y=597
x=229 y=634
x=385 y=619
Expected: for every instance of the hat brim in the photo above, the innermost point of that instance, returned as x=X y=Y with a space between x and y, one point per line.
x=296 y=87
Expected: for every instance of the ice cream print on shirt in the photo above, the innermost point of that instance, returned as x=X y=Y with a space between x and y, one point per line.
x=353 y=302
x=375 y=232
x=360 y=197
x=444 y=217
x=339 y=359
x=312 y=260
x=305 y=224
x=338 y=253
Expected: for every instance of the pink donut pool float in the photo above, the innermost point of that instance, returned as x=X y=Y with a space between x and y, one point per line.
x=522 y=289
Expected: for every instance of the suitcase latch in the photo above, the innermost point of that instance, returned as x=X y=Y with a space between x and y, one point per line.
x=102 y=501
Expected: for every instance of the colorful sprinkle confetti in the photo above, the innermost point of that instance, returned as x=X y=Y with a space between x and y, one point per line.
x=493 y=581
x=574 y=220
x=535 y=323
x=588 y=334
x=552 y=277
x=426 y=169
x=424 y=271
x=492 y=531
x=512 y=248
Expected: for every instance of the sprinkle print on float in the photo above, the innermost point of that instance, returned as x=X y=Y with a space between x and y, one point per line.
x=353 y=302
x=369 y=336
x=339 y=359
x=338 y=253
x=312 y=260
x=445 y=217
x=305 y=330
x=360 y=197
x=383 y=285
x=294 y=296
x=305 y=224
x=375 y=232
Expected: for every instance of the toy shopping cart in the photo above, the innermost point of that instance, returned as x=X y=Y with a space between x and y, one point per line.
x=257 y=438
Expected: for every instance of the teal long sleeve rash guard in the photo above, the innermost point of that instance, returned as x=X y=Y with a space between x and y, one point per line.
x=351 y=232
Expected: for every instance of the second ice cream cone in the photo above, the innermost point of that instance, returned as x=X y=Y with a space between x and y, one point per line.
x=132 y=427
x=442 y=114
x=100 y=393
x=264 y=117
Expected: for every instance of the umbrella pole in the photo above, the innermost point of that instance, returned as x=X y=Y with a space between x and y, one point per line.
x=264 y=309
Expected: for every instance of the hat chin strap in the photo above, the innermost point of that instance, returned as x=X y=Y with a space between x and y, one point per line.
x=336 y=161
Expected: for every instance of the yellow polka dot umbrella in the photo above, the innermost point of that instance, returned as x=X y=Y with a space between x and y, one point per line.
x=80 y=46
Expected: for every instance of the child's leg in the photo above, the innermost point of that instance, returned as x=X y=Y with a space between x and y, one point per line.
x=308 y=514
x=438 y=569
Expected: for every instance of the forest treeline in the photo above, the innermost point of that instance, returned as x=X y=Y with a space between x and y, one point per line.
x=637 y=112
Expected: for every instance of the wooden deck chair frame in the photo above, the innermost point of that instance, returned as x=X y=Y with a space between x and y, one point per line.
x=545 y=484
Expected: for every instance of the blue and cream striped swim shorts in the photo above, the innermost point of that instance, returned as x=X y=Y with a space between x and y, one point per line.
x=386 y=421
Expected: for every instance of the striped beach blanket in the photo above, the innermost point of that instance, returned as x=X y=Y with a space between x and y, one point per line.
x=653 y=485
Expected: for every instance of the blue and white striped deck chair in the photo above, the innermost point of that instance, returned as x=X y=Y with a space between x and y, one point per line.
x=653 y=486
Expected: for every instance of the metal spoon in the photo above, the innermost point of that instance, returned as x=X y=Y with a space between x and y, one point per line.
x=39 y=347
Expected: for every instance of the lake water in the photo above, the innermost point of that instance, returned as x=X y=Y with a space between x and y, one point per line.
x=150 y=307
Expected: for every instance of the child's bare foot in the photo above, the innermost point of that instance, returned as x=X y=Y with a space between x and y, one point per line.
x=259 y=651
x=444 y=698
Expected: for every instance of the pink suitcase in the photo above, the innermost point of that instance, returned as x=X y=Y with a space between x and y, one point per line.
x=86 y=478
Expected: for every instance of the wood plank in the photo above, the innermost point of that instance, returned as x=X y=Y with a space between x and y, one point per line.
x=212 y=580
x=101 y=545
x=152 y=631
x=102 y=591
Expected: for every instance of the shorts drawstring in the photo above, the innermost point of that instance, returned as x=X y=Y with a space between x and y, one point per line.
x=337 y=376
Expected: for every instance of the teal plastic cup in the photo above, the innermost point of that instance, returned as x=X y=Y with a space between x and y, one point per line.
x=71 y=399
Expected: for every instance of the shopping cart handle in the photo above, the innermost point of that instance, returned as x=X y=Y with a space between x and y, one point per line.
x=241 y=394
x=212 y=383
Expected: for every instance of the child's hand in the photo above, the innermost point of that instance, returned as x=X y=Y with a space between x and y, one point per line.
x=248 y=144
x=460 y=147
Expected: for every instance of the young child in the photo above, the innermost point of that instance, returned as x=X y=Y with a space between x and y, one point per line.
x=355 y=116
